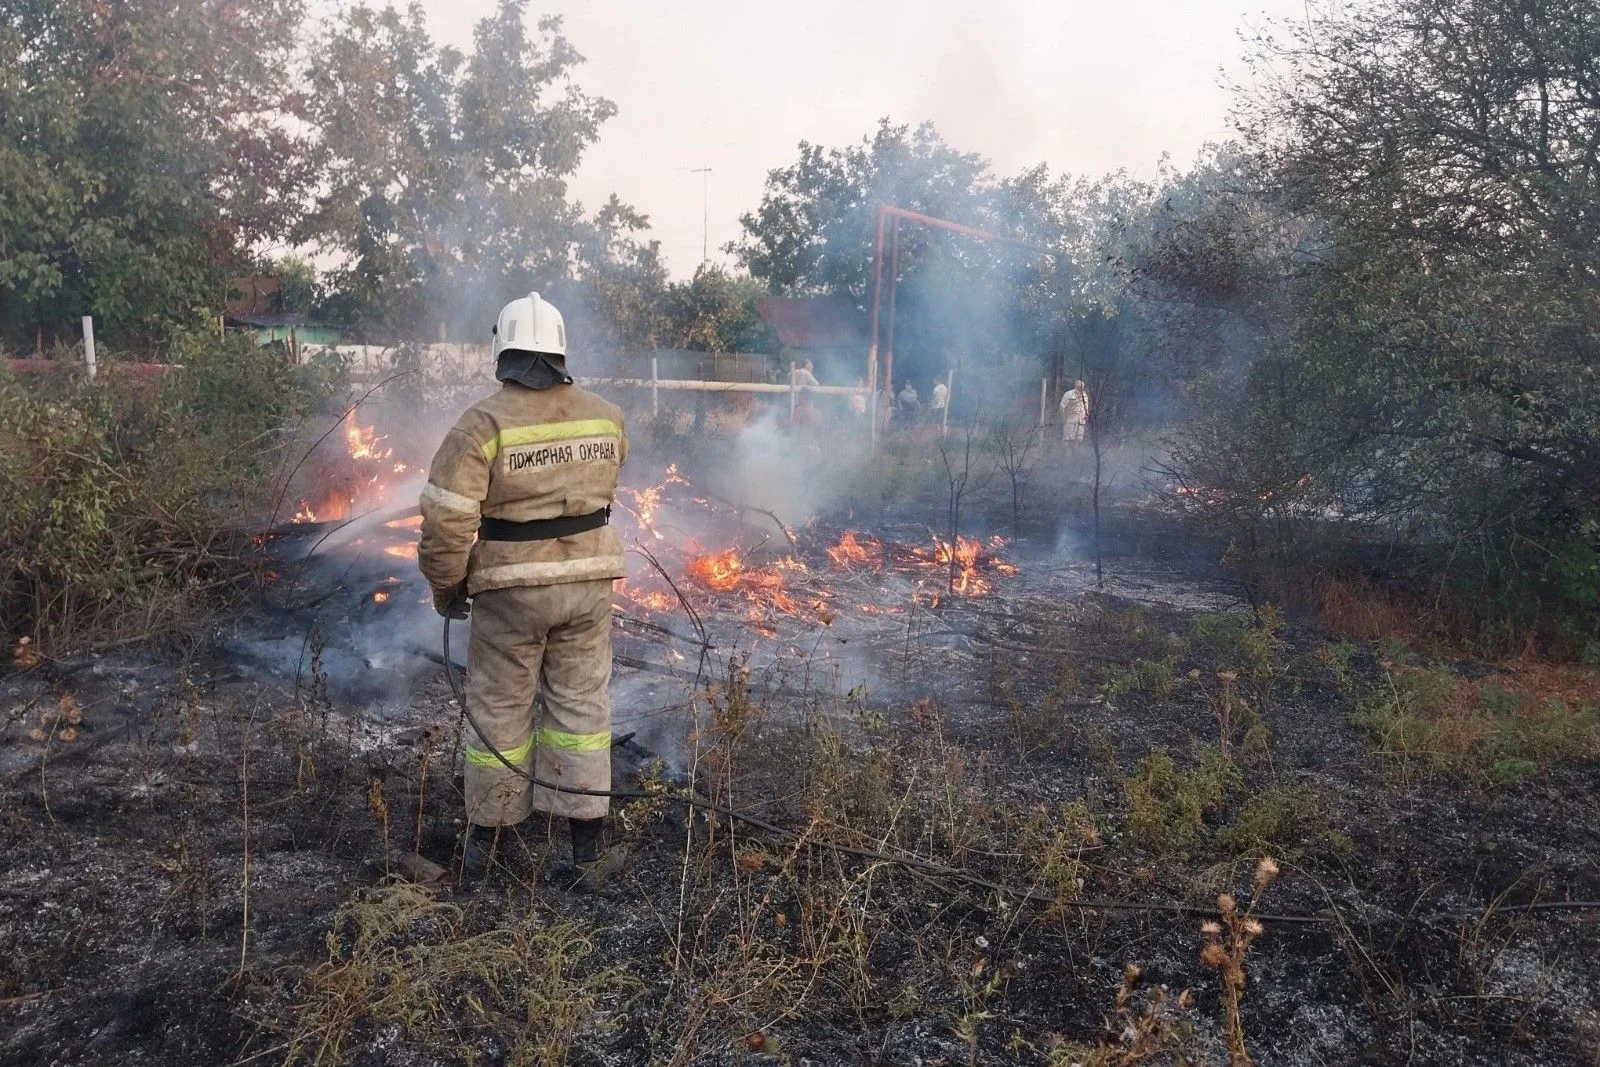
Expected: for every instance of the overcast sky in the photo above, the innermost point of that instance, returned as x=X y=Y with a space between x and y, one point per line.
x=1086 y=86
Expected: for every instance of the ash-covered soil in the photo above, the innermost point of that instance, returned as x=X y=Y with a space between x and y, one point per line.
x=180 y=828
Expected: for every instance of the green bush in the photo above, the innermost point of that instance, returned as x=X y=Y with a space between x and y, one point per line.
x=1167 y=807
x=1498 y=736
x=1146 y=678
x=127 y=501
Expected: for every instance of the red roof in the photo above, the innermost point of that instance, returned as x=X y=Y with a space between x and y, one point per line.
x=814 y=321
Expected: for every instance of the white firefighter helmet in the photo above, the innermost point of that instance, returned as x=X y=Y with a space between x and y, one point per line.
x=530 y=324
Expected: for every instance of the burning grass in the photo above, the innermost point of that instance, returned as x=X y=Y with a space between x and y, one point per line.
x=352 y=473
x=808 y=581
x=722 y=941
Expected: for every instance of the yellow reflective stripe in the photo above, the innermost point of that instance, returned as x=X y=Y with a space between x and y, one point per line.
x=479 y=757
x=549 y=431
x=575 y=742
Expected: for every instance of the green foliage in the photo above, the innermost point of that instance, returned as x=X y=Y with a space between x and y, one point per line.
x=1275 y=822
x=1336 y=656
x=1429 y=717
x=1168 y=807
x=301 y=290
x=144 y=145
x=715 y=311
x=1147 y=678
x=1240 y=643
x=445 y=175
x=1399 y=281
x=1054 y=849
x=814 y=233
x=121 y=498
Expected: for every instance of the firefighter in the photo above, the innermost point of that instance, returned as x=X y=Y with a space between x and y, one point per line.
x=1074 y=413
x=514 y=517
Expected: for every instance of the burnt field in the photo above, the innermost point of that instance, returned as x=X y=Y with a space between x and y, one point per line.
x=1011 y=815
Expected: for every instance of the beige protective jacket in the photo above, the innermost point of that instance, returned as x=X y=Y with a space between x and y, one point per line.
x=518 y=455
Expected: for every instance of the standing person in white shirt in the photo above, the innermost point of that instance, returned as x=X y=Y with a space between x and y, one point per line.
x=1074 y=412
x=805 y=377
x=941 y=397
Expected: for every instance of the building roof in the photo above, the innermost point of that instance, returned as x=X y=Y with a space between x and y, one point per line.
x=814 y=321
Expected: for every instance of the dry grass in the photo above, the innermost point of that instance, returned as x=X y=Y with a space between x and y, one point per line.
x=1227 y=943
x=397 y=956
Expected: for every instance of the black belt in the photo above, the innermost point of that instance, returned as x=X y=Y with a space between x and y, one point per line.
x=541 y=529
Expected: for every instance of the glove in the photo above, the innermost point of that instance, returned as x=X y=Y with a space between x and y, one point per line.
x=453 y=602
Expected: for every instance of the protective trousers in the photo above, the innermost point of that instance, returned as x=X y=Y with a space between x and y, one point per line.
x=525 y=637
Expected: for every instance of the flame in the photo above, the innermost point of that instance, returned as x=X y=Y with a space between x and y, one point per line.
x=355 y=481
x=721 y=572
x=647 y=501
x=850 y=550
x=407 y=551
x=362 y=441
x=380 y=597
x=409 y=522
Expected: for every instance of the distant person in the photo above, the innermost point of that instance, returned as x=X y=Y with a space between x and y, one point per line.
x=941 y=397
x=805 y=377
x=1074 y=412
x=858 y=401
x=806 y=421
x=910 y=402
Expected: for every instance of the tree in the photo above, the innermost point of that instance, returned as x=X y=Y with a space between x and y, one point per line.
x=1400 y=294
x=715 y=311
x=814 y=233
x=444 y=176
x=144 y=147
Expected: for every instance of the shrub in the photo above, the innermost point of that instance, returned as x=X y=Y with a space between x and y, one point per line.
x=1496 y=735
x=396 y=956
x=1168 y=806
x=1145 y=678
x=127 y=501
x=1276 y=820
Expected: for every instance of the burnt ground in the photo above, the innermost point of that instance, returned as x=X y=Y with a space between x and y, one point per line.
x=198 y=865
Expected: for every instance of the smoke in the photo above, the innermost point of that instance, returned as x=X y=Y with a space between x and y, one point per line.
x=773 y=467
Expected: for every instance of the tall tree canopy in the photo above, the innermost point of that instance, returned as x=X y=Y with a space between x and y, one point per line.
x=1409 y=265
x=144 y=146
x=442 y=176
x=959 y=299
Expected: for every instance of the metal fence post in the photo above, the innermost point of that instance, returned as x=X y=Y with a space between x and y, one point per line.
x=88 y=344
x=1044 y=386
x=791 y=390
x=949 y=397
x=655 y=390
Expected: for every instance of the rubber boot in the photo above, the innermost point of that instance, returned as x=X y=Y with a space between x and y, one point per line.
x=592 y=863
